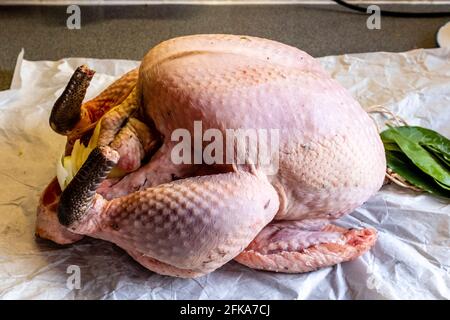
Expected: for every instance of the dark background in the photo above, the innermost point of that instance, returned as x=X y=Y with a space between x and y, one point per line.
x=129 y=32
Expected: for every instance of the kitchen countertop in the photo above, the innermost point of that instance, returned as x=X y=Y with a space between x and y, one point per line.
x=128 y=32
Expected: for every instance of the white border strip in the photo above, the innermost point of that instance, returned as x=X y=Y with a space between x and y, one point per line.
x=214 y=2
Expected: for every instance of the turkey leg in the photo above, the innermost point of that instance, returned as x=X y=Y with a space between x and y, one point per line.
x=187 y=228
x=72 y=118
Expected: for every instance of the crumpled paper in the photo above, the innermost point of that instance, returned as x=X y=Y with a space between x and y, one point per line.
x=410 y=260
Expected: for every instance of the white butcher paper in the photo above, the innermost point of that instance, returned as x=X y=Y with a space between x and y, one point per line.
x=411 y=258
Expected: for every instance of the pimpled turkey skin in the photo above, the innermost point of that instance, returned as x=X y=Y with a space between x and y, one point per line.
x=200 y=222
x=331 y=160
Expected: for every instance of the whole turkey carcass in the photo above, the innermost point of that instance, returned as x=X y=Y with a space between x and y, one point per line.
x=185 y=218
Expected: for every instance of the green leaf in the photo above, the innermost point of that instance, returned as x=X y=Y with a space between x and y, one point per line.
x=442 y=185
x=388 y=136
x=426 y=137
x=392 y=147
x=441 y=156
x=403 y=166
x=409 y=143
x=434 y=142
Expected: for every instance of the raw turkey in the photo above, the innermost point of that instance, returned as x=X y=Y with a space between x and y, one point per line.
x=188 y=219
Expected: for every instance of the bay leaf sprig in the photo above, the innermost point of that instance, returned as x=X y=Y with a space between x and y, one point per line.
x=420 y=156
